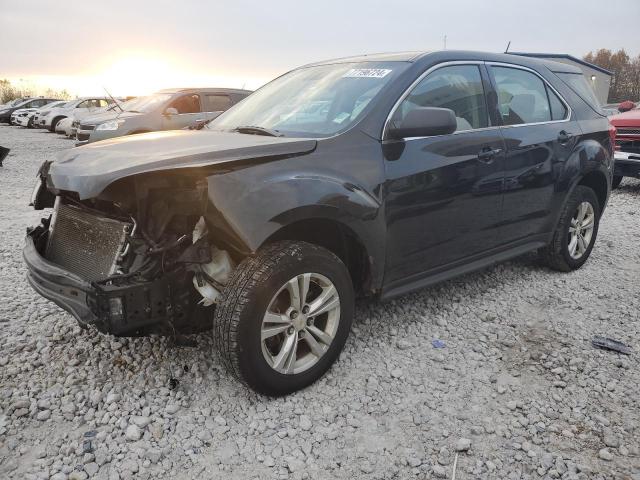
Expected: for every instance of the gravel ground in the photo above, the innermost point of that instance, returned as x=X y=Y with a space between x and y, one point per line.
x=516 y=392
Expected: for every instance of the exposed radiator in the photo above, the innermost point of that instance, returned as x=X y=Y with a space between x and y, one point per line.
x=85 y=243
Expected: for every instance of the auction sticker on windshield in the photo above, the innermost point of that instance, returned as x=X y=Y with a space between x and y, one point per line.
x=367 y=73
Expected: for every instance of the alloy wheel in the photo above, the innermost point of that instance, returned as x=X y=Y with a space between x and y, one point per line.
x=300 y=323
x=581 y=230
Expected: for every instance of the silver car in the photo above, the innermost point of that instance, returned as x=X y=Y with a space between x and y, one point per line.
x=171 y=109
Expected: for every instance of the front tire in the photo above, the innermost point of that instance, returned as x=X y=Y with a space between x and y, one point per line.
x=576 y=232
x=284 y=317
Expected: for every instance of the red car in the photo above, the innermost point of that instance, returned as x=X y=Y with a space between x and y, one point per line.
x=627 y=153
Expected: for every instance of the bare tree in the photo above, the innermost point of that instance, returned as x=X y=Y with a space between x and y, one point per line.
x=625 y=84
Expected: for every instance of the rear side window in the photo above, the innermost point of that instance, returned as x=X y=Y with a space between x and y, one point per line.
x=522 y=96
x=458 y=88
x=579 y=84
x=216 y=103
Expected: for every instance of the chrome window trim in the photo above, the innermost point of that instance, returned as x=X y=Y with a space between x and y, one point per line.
x=544 y=80
x=415 y=83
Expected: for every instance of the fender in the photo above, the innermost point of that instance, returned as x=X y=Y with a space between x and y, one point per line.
x=587 y=157
x=247 y=207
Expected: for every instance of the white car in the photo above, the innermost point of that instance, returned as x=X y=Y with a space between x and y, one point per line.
x=79 y=108
x=18 y=115
x=64 y=126
x=42 y=111
x=22 y=117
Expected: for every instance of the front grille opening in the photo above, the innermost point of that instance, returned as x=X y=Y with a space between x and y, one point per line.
x=84 y=243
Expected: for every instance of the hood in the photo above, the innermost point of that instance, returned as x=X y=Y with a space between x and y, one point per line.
x=102 y=117
x=626 y=119
x=88 y=170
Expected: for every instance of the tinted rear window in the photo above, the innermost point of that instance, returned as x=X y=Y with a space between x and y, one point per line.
x=579 y=84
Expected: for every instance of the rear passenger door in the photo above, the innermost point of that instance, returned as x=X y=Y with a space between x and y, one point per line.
x=539 y=136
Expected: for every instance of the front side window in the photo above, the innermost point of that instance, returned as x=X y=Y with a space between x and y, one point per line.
x=456 y=87
x=522 y=96
x=186 y=104
x=316 y=101
x=84 y=104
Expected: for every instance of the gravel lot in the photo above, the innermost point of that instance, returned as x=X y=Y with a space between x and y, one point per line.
x=516 y=392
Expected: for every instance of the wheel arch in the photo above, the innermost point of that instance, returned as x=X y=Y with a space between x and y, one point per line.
x=596 y=181
x=339 y=239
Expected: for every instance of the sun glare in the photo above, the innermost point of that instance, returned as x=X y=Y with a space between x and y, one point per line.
x=138 y=75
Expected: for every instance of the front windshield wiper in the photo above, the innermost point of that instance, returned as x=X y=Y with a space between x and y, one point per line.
x=133 y=111
x=255 y=130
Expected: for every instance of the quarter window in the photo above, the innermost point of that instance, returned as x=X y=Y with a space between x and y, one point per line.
x=522 y=96
x=456 y=87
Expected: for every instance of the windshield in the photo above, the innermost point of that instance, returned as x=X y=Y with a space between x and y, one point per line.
x=317 y=101
x=54 y=105
x=579 y=84
x=145 y=104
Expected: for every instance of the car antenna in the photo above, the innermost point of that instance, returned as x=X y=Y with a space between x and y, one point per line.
x=114 y=100
x=508 y=45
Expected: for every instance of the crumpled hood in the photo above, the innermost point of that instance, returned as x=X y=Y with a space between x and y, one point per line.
x=88 y=170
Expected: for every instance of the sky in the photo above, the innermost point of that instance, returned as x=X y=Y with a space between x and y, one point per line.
x=136 y=47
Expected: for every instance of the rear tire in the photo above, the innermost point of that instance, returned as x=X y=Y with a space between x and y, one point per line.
x=617 y=180
x=574 y=236
x=260 y=299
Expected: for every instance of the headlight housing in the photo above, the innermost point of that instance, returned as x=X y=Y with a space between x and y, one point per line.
x=110 y=125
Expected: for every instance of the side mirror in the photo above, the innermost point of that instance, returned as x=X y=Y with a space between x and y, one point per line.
x=425 y=122
x=170 y=111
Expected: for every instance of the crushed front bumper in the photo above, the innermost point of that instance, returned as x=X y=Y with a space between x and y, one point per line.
x=627 y=164
x=134 y=309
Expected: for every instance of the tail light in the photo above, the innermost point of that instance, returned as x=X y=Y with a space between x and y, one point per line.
x=612 y=137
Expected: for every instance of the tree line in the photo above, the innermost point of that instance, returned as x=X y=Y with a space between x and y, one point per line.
x=9 y=92
x=625 y=83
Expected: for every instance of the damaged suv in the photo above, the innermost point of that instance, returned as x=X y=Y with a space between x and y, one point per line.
x=367 y=176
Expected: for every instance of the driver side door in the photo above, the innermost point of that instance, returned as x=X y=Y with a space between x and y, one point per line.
x=444 y=193
x=189 y=112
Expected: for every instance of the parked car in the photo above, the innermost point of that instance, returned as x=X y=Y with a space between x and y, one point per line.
x=373 y=176
x=37 y=102
x=33 y=119
x=170 y=109
x=627 y=145
x=23 y=117
x=80 y=107
x=115 y=106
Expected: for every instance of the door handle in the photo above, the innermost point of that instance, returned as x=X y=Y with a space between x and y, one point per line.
x=487 y=154
x=564 y=137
